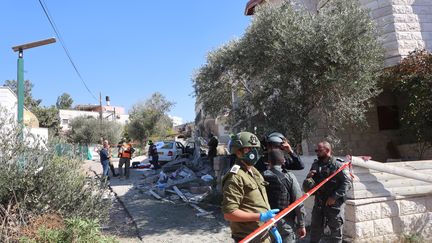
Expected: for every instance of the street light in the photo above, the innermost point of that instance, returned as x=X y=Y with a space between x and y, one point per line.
x=20 y=72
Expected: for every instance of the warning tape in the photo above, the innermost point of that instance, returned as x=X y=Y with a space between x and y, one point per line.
x=291 y=207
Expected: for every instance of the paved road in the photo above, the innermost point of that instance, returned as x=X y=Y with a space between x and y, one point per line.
x=161 y=221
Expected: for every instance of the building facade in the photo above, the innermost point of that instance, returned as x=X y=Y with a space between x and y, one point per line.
x=404 y=26
x=9 y=110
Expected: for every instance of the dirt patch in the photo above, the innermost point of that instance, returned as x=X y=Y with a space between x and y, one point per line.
x=46 y=221
x=120 y=224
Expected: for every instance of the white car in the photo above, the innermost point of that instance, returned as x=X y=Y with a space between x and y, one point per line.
x=169 y=150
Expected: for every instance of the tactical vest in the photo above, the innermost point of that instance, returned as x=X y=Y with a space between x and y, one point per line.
x=324 y=170
x=277 y=190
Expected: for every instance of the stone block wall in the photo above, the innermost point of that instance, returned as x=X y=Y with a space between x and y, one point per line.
x=388 y=219
x=404 y=25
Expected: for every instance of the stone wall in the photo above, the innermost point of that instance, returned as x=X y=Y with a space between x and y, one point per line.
x=404 y=25
x=367 y=140
x=388 y=219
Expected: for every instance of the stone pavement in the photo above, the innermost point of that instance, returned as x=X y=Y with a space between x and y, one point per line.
x=163 y=221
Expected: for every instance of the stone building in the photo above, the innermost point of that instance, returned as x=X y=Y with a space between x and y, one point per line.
x=404 y=25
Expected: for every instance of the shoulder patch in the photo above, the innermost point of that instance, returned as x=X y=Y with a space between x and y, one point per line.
x=235 y=169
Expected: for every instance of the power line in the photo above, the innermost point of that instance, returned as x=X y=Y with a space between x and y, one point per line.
x=59 y=37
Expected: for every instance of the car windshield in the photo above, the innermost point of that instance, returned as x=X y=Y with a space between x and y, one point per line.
x=168 y=145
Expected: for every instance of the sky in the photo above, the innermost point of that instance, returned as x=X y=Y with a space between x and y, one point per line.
x=124 y=49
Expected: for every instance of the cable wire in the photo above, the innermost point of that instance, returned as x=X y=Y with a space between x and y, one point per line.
x=59 y=37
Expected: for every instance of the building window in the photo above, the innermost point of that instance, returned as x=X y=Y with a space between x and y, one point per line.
x=388 y=117
x=65 y=121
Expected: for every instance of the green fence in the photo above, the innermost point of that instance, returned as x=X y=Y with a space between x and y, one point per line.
x=75 y=151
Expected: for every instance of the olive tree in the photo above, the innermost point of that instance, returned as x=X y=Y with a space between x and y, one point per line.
x=291 y=66
x=150 y=118
x=88 y=130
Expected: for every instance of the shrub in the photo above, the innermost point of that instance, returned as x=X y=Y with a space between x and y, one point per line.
x=75 y=230
x=35 y=181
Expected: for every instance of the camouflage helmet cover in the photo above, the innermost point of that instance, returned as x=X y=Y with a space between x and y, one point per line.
x=244 y=140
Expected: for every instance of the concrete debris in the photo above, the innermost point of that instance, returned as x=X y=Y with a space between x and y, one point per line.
x=189 y=180
x=154 y=194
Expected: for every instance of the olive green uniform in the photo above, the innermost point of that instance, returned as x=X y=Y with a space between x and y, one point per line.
x=337 y=188
x=245 y=190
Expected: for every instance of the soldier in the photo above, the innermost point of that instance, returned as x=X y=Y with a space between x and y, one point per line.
x=277 y=141
x=330 y=198
x=245 y=203
x=284 y=189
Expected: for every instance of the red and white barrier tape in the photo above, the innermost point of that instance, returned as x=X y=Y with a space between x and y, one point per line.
x=291 y=207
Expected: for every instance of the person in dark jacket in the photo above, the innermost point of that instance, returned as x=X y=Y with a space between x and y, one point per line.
x=154 y=155
x=330 y=198
x=105 y=159
x=277 y=141
x=212 y=144
x=282 y=190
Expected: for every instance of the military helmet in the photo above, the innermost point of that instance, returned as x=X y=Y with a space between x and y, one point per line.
x=244 y=140
x=275 y=137
x=150 y=142
x=308 y=184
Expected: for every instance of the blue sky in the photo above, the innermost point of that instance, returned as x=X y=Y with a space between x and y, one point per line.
x=125 y=49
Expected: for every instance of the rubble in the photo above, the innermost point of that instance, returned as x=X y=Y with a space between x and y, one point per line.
x=188 y=180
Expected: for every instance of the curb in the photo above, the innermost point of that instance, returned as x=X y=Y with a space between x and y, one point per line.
x=123 y=205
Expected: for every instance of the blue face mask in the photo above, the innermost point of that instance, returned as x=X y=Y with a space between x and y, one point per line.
x=251 y=157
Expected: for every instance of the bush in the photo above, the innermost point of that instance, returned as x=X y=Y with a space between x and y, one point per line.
x=74 y=230
x=35 y=181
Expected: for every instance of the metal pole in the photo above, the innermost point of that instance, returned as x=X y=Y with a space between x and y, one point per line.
x=100 y=107
x=20 y=87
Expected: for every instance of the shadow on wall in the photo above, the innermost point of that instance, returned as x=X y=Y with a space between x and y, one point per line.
x=423 y=10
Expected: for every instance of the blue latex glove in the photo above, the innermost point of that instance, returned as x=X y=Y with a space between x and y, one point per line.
x=276 y=235
x=264 y=217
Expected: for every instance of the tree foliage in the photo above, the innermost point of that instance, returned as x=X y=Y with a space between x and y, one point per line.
x=150 y=118
x=29 y=101
x=49 y=118
x=412 y=80
x=291 y=64
x=88 y=130
x=64 y=101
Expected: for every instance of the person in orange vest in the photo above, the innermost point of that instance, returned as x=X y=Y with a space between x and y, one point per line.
x=125 y=155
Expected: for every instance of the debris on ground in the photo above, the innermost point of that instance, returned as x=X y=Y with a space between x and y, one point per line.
x=188 y=180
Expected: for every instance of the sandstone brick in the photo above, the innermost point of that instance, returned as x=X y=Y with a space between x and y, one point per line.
x=416 y=223
x=349 y=228
x=364 y=230
x=368 y=212
x=405 y=18
x=402 y=2
x=402 y=9
x=383 y=226
x=369 y=240
x=392 y=238
x=390 y=209
x=350 y=213
x=412 y=206
x=407 y=27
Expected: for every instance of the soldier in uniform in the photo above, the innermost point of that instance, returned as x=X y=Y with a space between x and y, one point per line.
x=283 y=190
x=330 y=198
x=277 y=141
x=245 y=203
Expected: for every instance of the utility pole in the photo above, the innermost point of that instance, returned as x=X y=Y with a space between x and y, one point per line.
x=100 y=107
